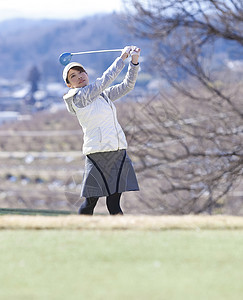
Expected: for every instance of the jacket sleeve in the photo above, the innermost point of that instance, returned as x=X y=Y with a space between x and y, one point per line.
x=89 y=93
x=117 y=91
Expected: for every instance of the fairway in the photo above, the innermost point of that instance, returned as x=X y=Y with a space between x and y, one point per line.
x=123 y=263
x=98 y=264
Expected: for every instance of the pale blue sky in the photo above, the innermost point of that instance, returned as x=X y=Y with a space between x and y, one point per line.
x=55 y=9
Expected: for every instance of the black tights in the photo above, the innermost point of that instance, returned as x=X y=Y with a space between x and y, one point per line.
x=112 y=203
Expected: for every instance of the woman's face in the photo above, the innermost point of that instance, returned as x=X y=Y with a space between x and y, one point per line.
x=77 y=79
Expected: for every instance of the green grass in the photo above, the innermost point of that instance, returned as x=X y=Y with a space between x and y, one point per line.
x=121 y=264
x=30 y=212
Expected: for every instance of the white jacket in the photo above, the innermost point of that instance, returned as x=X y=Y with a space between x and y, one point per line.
x=95 y=111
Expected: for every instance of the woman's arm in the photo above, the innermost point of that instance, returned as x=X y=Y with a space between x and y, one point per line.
x=89 y=93
x=119 y=90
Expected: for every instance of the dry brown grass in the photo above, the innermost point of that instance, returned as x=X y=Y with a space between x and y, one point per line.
x=188 y=222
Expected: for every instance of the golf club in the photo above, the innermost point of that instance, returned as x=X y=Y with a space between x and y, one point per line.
x=66 y=57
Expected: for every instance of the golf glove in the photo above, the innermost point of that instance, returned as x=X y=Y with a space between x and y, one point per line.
x=134 y=51
x=126 y=50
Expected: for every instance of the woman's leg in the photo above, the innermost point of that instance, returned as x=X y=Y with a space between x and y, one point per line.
x=113 y=204
x=87 y=207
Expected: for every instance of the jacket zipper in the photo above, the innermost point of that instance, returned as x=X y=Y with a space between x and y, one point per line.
x=100 y=133
x=118 y=140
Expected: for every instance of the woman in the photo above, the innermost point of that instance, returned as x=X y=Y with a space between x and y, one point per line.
x=108 y=169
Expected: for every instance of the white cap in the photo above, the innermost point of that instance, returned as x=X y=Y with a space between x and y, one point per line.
x=68 y=67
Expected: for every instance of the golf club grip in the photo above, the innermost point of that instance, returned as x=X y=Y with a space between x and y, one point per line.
x=97 y=51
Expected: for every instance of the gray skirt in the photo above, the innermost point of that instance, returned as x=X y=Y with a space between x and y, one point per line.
x=107 y=173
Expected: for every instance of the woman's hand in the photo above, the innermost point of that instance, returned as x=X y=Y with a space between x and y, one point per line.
x=135 y=53
x=126 y=52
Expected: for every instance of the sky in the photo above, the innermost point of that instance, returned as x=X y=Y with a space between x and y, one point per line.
x=56 y=9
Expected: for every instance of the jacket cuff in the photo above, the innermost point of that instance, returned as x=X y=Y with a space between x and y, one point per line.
x=134 y=65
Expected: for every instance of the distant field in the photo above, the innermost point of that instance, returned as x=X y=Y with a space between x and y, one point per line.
x=130 y=257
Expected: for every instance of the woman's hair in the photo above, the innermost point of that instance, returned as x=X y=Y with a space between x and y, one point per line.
x=77 y=68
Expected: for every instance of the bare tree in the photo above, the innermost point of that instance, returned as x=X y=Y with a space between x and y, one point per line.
x=191 y=133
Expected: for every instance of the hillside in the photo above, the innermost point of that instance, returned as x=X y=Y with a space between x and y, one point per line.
x=24 y=43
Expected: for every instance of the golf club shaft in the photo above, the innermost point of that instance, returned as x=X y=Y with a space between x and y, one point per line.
x=96 y=51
